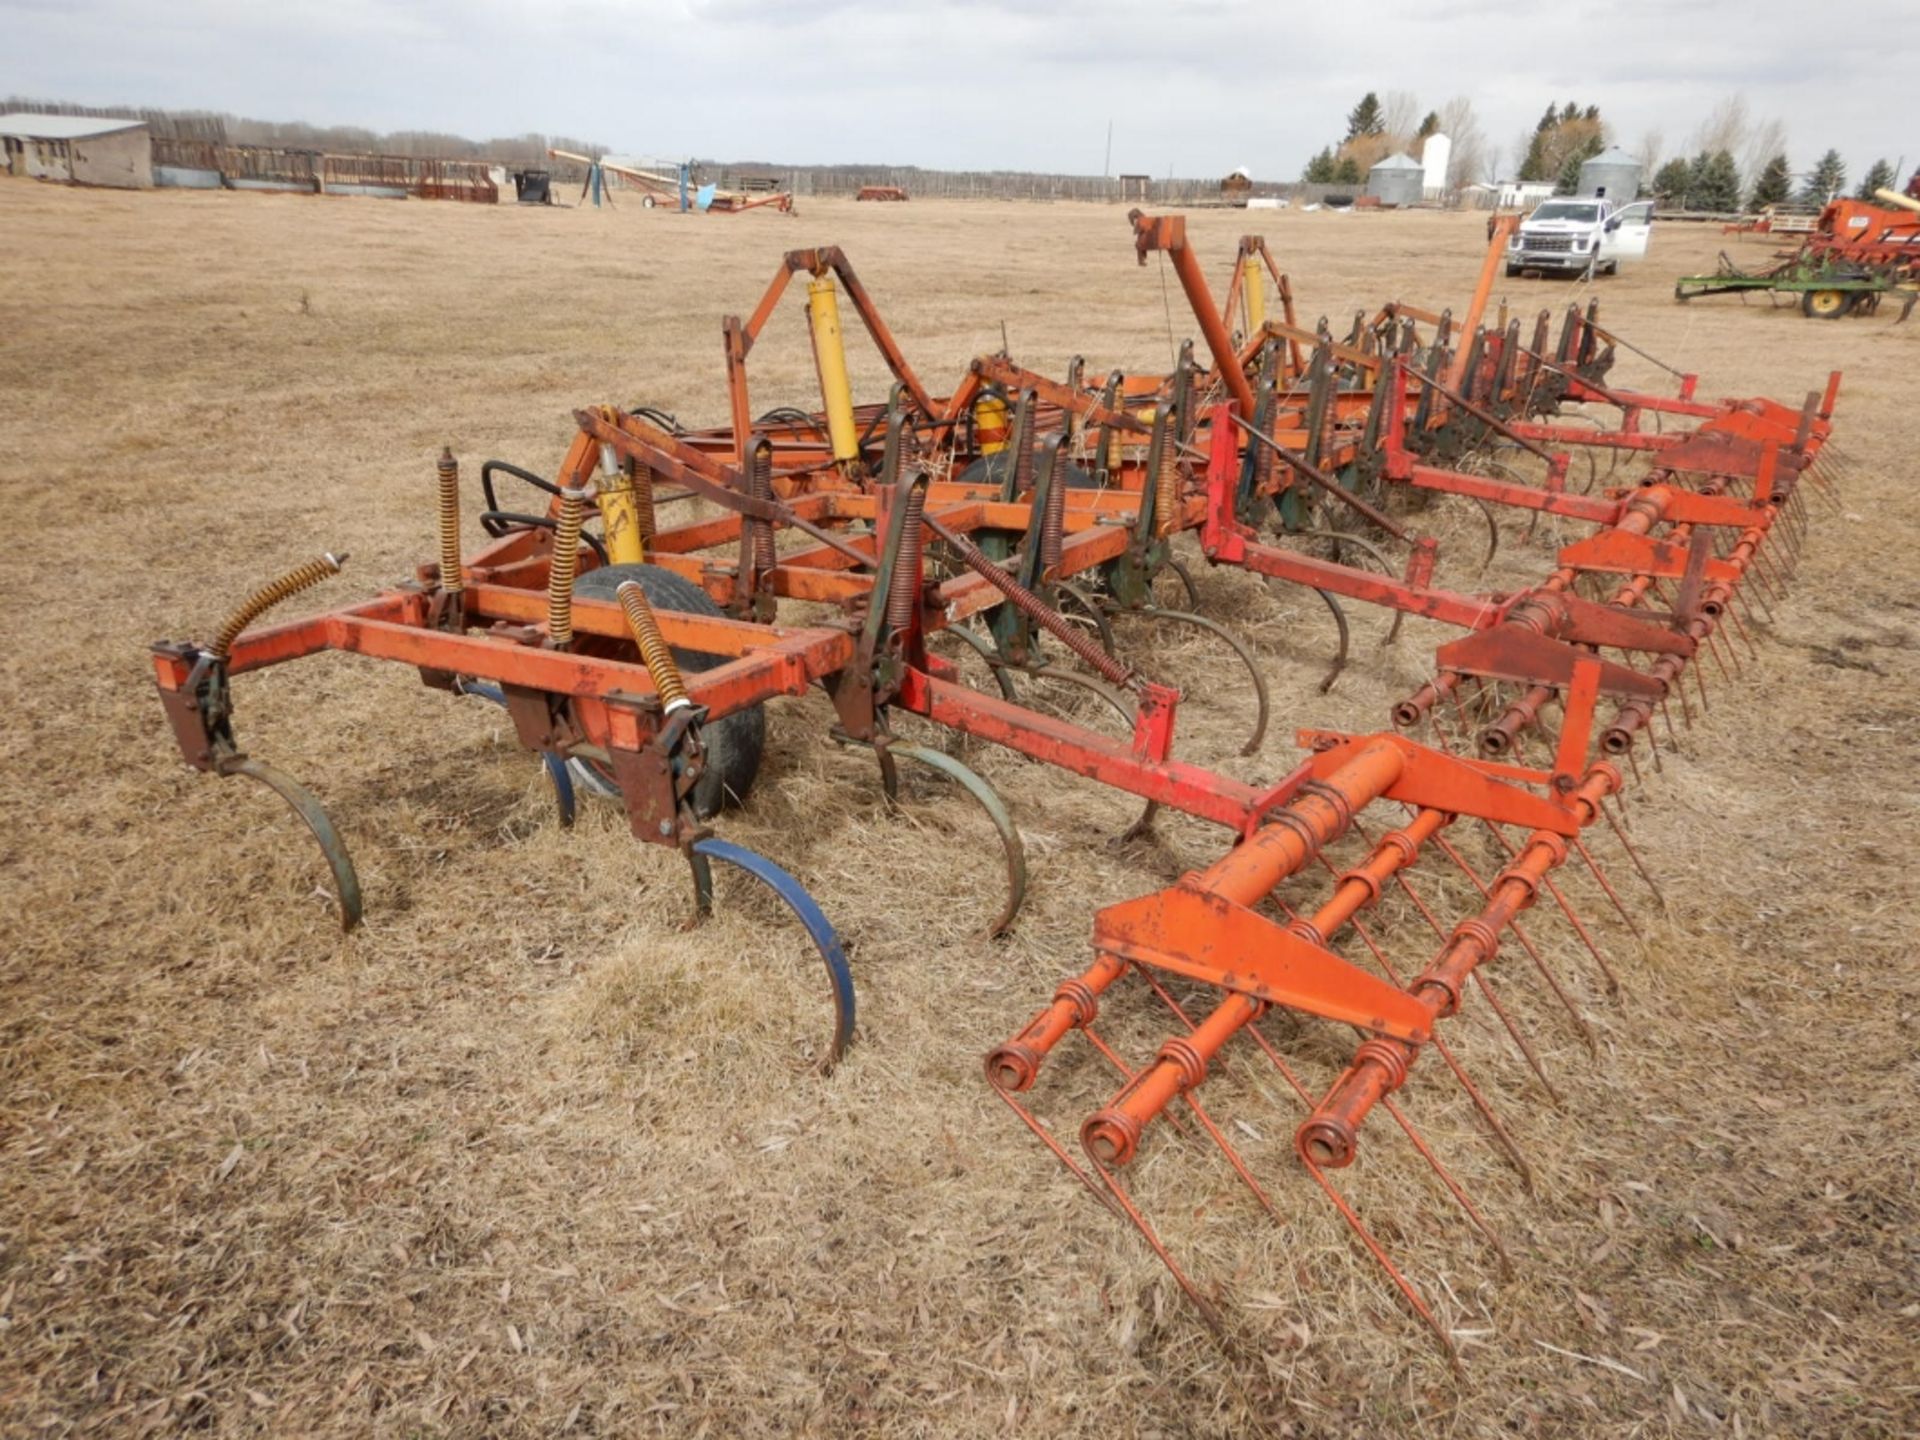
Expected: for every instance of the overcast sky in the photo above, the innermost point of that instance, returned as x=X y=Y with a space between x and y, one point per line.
x=1196 y=88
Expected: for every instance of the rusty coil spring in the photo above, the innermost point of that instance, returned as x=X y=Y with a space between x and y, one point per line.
x=563 y=565
x=760 y=486
x=1053 y=519
x=654 y=653
x=1037 y=610
x=643 y=505
x=451 y=579
x=1167 y=484
x=903 y=588
x=270 y=595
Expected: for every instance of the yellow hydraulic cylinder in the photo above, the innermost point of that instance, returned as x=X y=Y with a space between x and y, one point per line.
x=990 y=424
x=619 y=502
x=830 y=359
x=1252 y=293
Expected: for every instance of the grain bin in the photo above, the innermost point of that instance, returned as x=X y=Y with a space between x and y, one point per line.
x=1397 y=180
x=1613 y=173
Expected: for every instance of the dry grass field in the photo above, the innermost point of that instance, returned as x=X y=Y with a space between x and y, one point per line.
x=524 y=1157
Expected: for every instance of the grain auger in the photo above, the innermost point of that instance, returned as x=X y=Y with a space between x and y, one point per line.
x=1243 y=959
x=624 y=670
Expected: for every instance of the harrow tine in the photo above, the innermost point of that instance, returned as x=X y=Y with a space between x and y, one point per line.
x=1060 y=1152
x=1453 y=1186
x=1340 y=624
x=1560 y=899
x=1486 y=989
x=1208 y=1311
x=308 y=807
x=1593 y=867
x=1503 y=1138
x=1526 y=943
x=1401 y=1282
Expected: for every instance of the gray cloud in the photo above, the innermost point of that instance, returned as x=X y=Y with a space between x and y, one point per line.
x=1196 y=87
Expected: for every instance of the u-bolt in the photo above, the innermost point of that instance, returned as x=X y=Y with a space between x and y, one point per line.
x=451 y=580
x=654 y=653
x=270 y=595
x=565 y=561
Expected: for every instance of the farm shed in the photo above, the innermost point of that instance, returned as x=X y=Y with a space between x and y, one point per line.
x=82 y=149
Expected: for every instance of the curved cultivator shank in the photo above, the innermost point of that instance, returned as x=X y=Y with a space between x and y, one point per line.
x=1023 y=529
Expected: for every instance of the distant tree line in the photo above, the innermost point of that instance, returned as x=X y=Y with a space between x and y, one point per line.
x=1378 y=128
x=223 y=129
x=1711 y=181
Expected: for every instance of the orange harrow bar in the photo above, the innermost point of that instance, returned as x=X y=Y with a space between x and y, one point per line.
x=1226 y=946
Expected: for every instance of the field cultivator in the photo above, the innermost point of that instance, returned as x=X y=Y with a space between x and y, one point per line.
x=1857 y=253
x=1011 y=529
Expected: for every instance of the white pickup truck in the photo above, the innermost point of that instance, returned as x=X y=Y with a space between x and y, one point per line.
x=1582 y=234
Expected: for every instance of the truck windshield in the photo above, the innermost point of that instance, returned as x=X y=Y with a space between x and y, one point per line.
x=1567 y=210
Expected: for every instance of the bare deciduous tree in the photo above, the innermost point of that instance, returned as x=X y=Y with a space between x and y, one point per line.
x=1400 y=110
x=1472 y=158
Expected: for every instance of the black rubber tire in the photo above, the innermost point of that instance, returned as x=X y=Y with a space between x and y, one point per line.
x=1512 y=270
x=734 y=743
x=992 y=470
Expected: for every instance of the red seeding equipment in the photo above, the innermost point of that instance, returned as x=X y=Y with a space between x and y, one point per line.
x=1014 y=529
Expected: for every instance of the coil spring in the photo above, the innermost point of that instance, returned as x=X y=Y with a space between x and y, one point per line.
x=270 y=595
x=1167 y=482
x=903 y=589
x=451 y=580
x=1053 y=519
x=654 y=653
x=760 y=486
x=643 y=505
x=1031 y=605
x=565 y=561
x=1023 y=444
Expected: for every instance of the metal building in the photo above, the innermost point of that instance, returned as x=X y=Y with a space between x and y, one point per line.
x=1397 y=180
x=1613 y=174
x=110 y=150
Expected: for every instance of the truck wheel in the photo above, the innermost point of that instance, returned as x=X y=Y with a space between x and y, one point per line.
x=733 y=743
x=1826 y=304
x=1512 y=270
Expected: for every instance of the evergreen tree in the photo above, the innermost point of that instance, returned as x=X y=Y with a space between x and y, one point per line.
x=1828 y=179
x=1429 y=126
x=1672 y=183
x=1366 y=118
x=1347 y=172
x=1568 y=180
x=1714 y=183
x=1879 y=177
x=1772 y=186
x=1320 y=168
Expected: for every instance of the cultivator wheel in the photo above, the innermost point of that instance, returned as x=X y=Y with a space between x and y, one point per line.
x=734 y=744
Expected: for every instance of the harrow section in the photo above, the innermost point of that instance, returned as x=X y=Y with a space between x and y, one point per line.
x=1019 y=527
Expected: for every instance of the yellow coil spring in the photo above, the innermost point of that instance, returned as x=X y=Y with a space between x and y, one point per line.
x=270 y=595
x=1166 y=497
x=566 y=559
x=451 y=579
x=659 y=660
x=643 y=504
